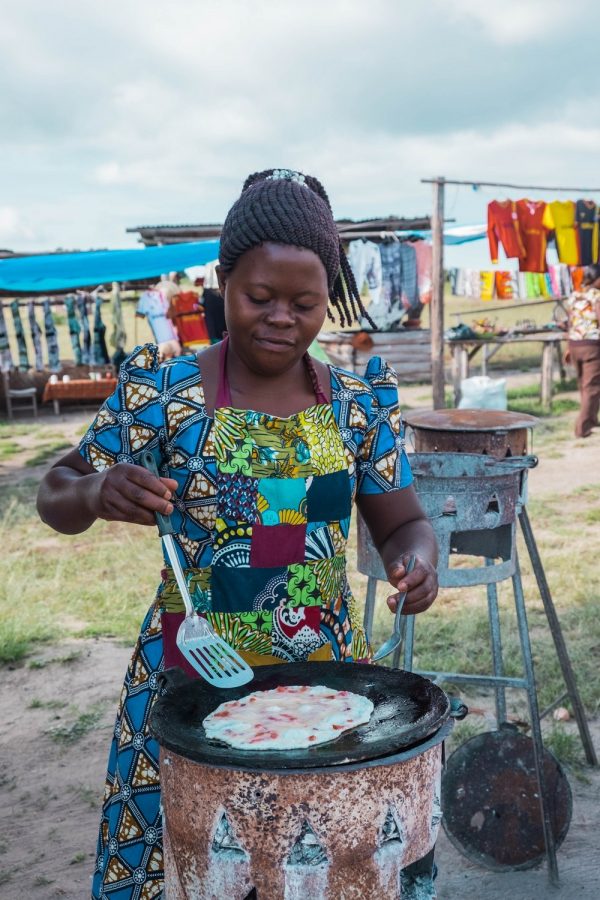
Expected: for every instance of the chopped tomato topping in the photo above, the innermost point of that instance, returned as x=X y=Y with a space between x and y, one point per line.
x=313 y=737
x=222 y=715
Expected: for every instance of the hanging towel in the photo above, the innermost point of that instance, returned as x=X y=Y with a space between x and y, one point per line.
x=36 y=336
x=51 y=337
x=118 y=338
x=74 y=328
x=20 y=335
x=504 y=286
x=486 y=285
x=6 y=360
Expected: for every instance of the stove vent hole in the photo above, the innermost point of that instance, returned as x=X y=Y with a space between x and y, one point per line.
x=307 y=851
x=225 y=841
x=391 y=829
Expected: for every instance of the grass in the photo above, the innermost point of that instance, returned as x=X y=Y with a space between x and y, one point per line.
x=46 y=453
x=84 y=722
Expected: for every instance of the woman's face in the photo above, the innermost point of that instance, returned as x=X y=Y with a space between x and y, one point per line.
x=275 y=304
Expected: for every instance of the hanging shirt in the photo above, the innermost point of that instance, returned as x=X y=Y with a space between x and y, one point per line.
x=74 y=328
x=188 y=318
x=563 y=215
x=586 y=217
x=535 y=222
x=20 y=336
x=153 y=306
x=365 y=261
x=503 y=228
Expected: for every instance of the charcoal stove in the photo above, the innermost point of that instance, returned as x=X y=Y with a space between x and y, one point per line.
x=470 y=469
x=339 y=820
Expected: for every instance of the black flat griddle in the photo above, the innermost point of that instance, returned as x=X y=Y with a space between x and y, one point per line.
x=408 y=709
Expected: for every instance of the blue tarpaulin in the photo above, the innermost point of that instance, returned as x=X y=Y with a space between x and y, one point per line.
x=65 y=271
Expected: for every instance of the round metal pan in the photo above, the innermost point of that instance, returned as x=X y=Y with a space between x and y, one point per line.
x=408 y=709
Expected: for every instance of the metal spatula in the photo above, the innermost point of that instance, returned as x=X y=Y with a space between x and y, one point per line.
x=209 y=655
x=396 y=636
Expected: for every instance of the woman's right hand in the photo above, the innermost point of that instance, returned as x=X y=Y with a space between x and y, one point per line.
x=129 y=493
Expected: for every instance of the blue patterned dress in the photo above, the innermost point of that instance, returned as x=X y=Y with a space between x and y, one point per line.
x=262 y=514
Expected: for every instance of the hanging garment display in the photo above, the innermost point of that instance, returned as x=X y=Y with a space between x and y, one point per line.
x=563 y=216
x=99 y=350
x=118 y=338
x=36 y=336
x=391 y=273
x=152 y=306
x=535 y=223
x=74 y=328
x=586 y=218
x=424 y=254
x=408 y=280
x=365 y=261
x=503 y=285
x=187 y=316
x=503 y=228
x=81 y=304
x=6 y=360
x=51 y=337
x=486 y=285
x=577 y=277
x=20 y=335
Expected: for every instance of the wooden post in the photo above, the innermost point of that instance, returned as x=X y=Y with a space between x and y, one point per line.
x=437 y=298
x=547 y=366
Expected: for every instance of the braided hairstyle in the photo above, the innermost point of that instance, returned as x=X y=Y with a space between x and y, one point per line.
x=285 y=207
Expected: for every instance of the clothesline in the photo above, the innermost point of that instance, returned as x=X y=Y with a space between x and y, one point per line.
x=558 y=301
x=519 y=187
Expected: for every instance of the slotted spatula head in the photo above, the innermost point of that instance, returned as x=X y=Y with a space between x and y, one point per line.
x=206 y=652
x=210 y=655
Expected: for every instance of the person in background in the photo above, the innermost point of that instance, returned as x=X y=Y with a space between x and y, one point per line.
x=583 y=308
x=169 y=286
x=214 y=307
x=261 y=450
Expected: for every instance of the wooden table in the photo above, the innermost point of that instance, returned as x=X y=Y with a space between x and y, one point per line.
x=78 y=389
x=464 y=351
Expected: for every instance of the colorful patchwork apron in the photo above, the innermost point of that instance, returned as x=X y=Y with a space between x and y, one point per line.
x=276 y=589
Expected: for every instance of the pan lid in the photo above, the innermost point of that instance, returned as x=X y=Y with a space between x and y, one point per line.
x=408 y=709
x=469 y=420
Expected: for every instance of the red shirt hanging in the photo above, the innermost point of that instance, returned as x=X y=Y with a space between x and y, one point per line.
x=535 y=222
x=188 y=318
x=503 y=227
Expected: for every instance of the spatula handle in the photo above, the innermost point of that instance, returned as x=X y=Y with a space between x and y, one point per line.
x=165 y=526
x=402 y=596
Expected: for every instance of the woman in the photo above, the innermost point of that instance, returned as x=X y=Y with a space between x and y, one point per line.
x=583 y=309
x=261 y=450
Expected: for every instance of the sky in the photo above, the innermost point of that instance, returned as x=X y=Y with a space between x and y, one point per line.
x=114 y=115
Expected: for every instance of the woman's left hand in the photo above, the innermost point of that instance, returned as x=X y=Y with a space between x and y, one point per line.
x=421 y=585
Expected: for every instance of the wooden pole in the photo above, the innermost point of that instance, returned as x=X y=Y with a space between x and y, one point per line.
x=437 y=298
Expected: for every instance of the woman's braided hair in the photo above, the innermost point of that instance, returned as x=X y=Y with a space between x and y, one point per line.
x=286 y=207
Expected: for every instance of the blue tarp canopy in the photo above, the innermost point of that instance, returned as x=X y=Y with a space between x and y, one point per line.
x=65 y=271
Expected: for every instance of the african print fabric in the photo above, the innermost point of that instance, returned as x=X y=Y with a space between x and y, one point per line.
x=51 y=338
x=36 y=336
x=20 y=335
x=262 y=515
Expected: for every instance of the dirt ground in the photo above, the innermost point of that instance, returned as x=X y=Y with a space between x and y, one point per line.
x=50 y=789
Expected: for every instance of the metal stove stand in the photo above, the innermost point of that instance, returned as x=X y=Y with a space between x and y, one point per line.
x=474 y=502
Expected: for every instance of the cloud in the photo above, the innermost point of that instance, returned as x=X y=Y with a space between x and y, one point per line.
x=141 y=112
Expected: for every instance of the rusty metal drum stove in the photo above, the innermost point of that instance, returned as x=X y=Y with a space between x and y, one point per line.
x=470 y=470
x=313 y=830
